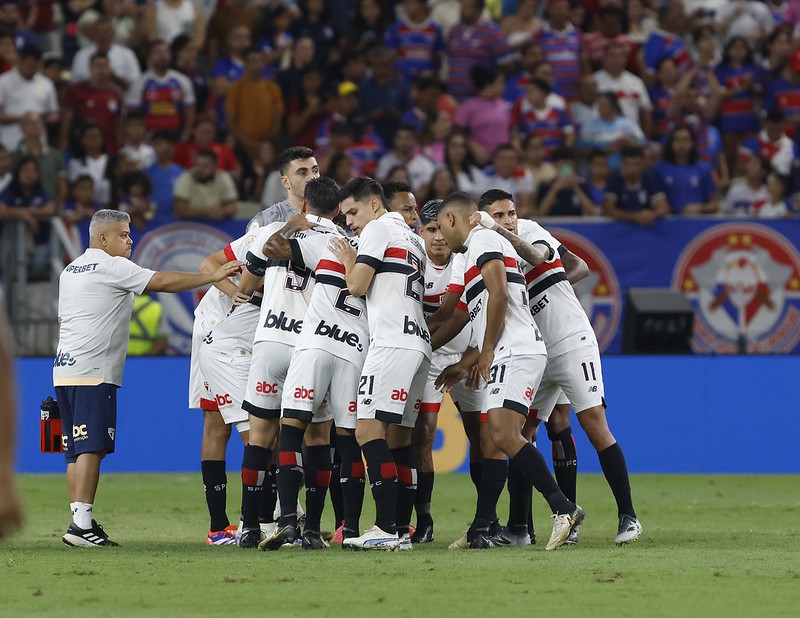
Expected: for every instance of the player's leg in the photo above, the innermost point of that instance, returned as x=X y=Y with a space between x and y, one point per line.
x=582 y=377
x=335 y=490
x=317 y=480
x=471 y=420
x=215 y=479
x=509 y=397
x=493 y=479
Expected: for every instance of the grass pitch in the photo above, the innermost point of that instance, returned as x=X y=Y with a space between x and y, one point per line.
x=713 y=546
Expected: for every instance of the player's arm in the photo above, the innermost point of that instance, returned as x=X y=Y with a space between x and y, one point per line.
x=226 y=286
x=358 y=275
x=533 y=253
x=10 y=508
x=450 y=328
x=459 y=371
x=277 y=246
x=493 y=272
x=444 y=312
x=176 y=281
x=575 y=267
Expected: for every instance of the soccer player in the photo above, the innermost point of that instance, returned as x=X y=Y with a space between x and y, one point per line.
x=389 y=270
x=288 y=286
x=573 y=354
x=327 y=358
x=510 y=357
x=95 y=302
x=297 y=166
x=400 y=199
x=441 y=264
x=218 y=374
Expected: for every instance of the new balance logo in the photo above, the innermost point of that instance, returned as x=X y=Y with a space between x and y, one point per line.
x=304 y=393
x=266 y=388
x=410 y=327
x=281 y=322
x=337 y=334
x=495 y=391
x=592 y=389
x=400 y=395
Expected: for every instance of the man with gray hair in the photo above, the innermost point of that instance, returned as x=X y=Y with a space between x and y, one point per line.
x=95 y=301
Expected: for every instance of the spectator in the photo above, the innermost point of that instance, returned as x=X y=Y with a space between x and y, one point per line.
x=366 y=149
x=778 y=47
x=507 y=174
x=640 y=22
x=666 y=41
x=462 y=165
x=443 y=183
x=419 y=168
x=5 y=169
x=631 y=91
x=562 y=46
x=91 y=160
x=425 y=93
x=520 y=27
x=81 y=204
x=610 y=22
x=486 y=117
x=72 y=38
x=534 y=159
x=97 y=101
x=369 y=26
x=136 y=198
x=229 y=68
x=417 y=41
x=253 y=106
x=703 y=78
x=49 y=161
x=531 y=57
x=398 y=174
x=584 y=108
x=164 y=175
x=384 y=96
x=748 y=194
x=122 y=61
x=11 y=22
x=204 y=135
x=166 y=19
x=225 y=18
x=340 y=168
x=567 y=195
x=777 y=206
x=661 y=95
x=315 y=23
x=533 y=116
x=268 y=188
x=205 y=192
x=53 y=70
x=306 y=112
x=134 y=144
x=338 y=140
x=597 y=178
x=164 y=96
x=25 y=200
x=434 y=137
x=123 y=16
x=185 y=61
x=610 y=131
x=24 y=90
x=687 y=181
x=773 y=144
x=302 y=58
x=633 y=194
x=8 y=52
x=783 y=92
x=276 y=40
x=473 y=41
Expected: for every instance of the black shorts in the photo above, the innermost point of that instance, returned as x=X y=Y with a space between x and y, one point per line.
x=88 y=419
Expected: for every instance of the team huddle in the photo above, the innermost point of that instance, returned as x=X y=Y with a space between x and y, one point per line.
x=333 y=348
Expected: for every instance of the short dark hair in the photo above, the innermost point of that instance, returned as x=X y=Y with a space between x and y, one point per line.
x=207 y=153
x=80 y=179
x=482 y=76
x=504 y=147
x=167 y=136
x=669 y=153
x=96 y=55
x=631 y=152
x=394 y=187
x=564 y=154
x=30 y=50
x=541 y=84
x=456 y=197
x=594 y=154
x=363 y=188
x=252 y=50
x=429 y=211
x=322 y=195
x=131 y=179
x=424 y=81
x=295 y=153
x=491 y=196
x=50 y=62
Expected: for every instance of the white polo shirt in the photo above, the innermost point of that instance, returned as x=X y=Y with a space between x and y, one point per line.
x=18 y=96
x=95 y=301
x=122 y=60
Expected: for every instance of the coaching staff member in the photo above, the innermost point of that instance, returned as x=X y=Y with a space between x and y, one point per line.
x=95 y=301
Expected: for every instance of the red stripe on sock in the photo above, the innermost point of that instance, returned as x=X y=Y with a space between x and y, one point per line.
x=484 y=417
x=405 y=475
x=323 y=478
x=288 y=458
x=388 y=470
x=430 y=408
x=358 y=471
x=249 y=477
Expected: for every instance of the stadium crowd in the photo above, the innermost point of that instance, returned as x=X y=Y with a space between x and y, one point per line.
x=176 y=109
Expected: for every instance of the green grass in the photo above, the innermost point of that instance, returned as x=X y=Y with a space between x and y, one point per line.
x=713 y=546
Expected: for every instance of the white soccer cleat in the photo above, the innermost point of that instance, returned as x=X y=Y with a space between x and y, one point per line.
x=405 y=543
x=629 y=530
x=374 y=538
x=563 y=526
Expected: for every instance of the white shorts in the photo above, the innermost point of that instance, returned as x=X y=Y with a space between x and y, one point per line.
x=268 y=370
x=513 y=382
x=578 y=374
x=465 y=398
x=225 y=356
x=312 y=374
x=199 y=394
x=391 y=385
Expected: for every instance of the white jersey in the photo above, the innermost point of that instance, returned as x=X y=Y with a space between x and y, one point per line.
x=336 y=321
x=95 y=301
x=215 y=305
x=437 y=284
x=520 y=336
x=287 y=285
x=564 y=326
x=630 y=90
x=394 y=298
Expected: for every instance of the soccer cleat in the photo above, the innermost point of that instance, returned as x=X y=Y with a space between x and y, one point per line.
x=338 y=536
x=423 y=534
x=516 y=539
x=374 y=538
x=629 y=530
x=313 y=540
x=572 y=539
x=222 y=537
x=405 y=543
x=563 y=526
x=92 y=537
x=461 y=543
x=283 y=535
x=251 y=538
x=482 y=540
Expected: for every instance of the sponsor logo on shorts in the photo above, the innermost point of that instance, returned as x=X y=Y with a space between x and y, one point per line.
x=352 y=406
x=529 y=393
x=410 y=327
x=400 y=395
x=338 y=334
x=744 y=283
x=223 y=400
x=266 y=388
x=64 y=359
x=281 y=322
x=79 y=432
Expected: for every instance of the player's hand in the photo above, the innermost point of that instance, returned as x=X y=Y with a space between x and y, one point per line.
x=10 y=507
x=485 y=363
x=299 y=222
x=226 y=270
x=482 y=218
x=344 y=252
x=474 y=379
x=451 y=376
x=240 y=298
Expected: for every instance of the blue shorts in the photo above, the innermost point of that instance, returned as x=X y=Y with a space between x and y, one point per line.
x=88 y=419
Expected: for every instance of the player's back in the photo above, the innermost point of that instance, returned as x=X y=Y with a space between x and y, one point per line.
x=394 y=298
x=555 y=307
